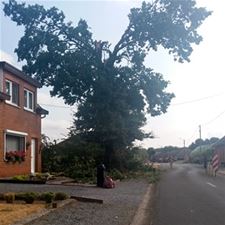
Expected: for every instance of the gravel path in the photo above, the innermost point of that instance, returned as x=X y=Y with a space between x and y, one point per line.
x=119 y=207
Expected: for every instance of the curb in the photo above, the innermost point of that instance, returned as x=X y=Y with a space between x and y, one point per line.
x=141 y=213
x=72 y=184
x=86 y=199
x=42 y=213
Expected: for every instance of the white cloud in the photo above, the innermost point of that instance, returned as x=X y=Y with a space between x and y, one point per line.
x=7 y=57
x=55 y=129
x=45 y=98
x=60 y=117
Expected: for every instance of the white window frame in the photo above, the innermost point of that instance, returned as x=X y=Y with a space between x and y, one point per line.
x=11 y=93
x=14 y=133
x=28 y=100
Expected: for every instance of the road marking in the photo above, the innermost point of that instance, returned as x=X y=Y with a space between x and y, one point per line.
x=210 y=184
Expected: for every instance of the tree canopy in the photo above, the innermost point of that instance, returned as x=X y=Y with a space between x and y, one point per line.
x=200 y=142
x=111 y=85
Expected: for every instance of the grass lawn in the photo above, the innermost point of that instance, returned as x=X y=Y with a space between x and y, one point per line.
x=11 y=213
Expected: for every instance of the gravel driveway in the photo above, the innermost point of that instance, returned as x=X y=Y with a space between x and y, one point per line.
x=119 y=207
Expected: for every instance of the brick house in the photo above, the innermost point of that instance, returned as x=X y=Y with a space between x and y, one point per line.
x=20 y=123
x=219 y=148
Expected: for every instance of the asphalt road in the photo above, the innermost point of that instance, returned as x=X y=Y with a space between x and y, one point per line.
x=187 y=196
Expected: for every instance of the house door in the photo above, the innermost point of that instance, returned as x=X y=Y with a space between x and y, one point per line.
x=32 y=155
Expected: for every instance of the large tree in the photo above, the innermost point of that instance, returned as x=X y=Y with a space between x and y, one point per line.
x=111 y=85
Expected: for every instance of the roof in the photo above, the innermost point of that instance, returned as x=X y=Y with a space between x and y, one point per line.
x=41 y=111
x=18 y=73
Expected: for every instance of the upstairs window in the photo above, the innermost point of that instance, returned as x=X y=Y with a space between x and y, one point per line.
x=28 y=100
x=12 y=89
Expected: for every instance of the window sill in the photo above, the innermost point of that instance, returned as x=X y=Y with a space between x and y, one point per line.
x=29 y=110
x=12 y=104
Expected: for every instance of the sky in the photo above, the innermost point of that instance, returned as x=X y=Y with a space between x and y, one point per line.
x=199 y=86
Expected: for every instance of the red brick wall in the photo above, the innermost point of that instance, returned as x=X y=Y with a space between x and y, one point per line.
x=18 y=119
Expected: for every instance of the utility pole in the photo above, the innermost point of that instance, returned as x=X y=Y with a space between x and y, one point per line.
x=200 y=132
x=183 y=140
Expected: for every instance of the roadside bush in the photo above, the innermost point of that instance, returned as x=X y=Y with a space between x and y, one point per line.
x=73 y=158
x=35 y=177
x=154 y=177
x=29 y=197
x=47 y=197
x=42 y=176
x=20 y=196
x=116 y=174
x=60 y=196
x=21 y=177
x=1 y=196
x=9 y=197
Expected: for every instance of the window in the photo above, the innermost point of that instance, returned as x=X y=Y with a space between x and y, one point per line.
x=15 y=146
x=15 y=143
x=28 y=100
x=12 y=89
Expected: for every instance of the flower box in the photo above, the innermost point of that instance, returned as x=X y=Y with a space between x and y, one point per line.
x=15 y=156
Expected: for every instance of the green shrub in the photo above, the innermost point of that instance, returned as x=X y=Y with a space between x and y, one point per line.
x=20 y=196
x=1 y=196
x=21 y=177
x=47 y=197
x=29 y=197
x=42 y=176
x=116 y=174
x=9 y=197
x=60 y=196
x=154 y=177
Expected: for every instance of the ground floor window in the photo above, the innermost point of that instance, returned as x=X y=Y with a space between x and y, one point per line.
x=15 y=146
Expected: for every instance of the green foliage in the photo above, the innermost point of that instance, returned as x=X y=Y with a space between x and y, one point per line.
x=42 y=176
x=150 y=174
x=29 y=197
x=35 y=177
x=74 y=157
x=9 y=197
x=47 y=197
x=154 y=177
x=78 y=159
x=60 y=196
x=20 y=196
x=1 y=196
x=134 y=159
x=201 y=153
x=116 y=174
x=113 y=96
x=199 y=142
x=20 y=177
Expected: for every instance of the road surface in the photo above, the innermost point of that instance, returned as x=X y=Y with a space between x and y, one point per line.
x=187 y=196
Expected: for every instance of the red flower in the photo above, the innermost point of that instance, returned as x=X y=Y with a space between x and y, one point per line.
x=14 y=156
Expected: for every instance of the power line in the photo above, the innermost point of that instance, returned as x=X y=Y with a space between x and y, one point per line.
x=175 y=104
x=57 y=106
x=197 y=100
x=189 y=139
x=204 y=124
x=215 y=118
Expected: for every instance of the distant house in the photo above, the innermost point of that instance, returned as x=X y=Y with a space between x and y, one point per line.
x=20 y=123
x=219 y=148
